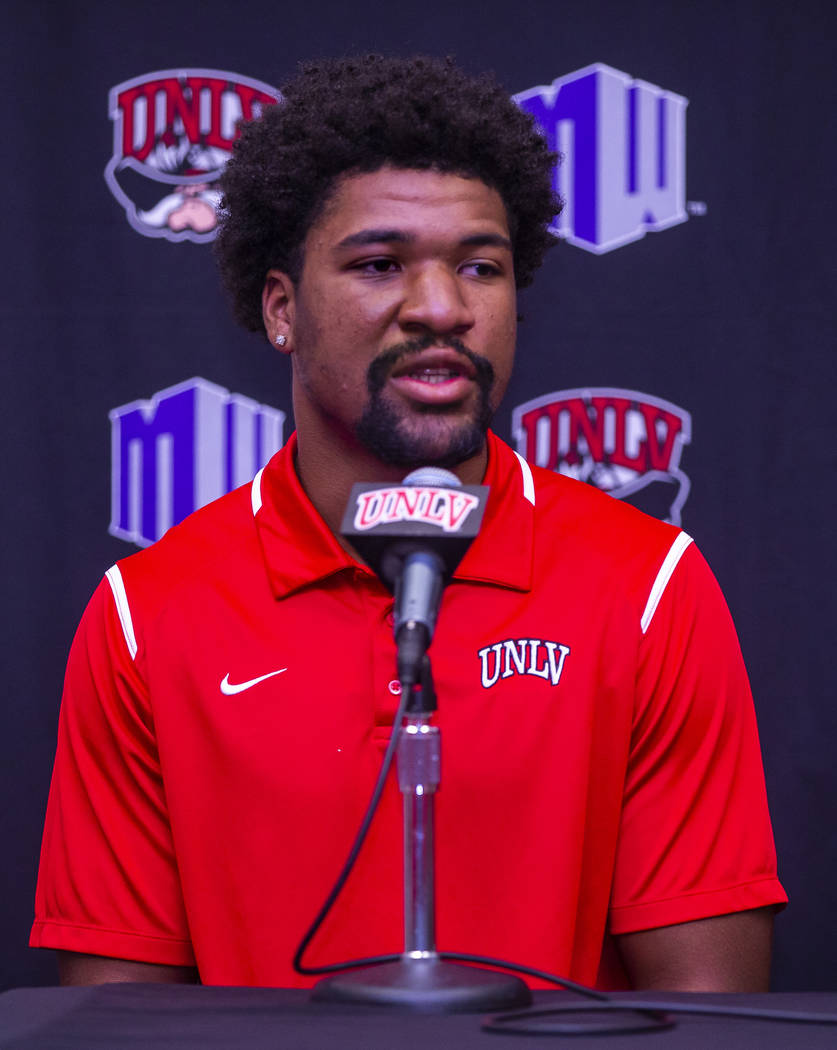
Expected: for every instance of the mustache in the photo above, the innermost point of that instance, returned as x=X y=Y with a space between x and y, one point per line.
x=380 y=368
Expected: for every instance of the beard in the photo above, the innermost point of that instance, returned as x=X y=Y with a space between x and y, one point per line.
x=430 y=435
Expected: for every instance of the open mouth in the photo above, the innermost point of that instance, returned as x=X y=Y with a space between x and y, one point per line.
x=435 y=375
x=438 y=376
x=435 y=365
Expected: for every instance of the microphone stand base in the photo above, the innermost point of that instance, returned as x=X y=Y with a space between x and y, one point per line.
x=430 y=985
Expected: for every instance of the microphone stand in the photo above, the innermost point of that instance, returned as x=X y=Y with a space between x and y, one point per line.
x=420 y=979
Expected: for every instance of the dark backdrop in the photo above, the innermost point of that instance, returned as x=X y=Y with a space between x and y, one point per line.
x=728 y=315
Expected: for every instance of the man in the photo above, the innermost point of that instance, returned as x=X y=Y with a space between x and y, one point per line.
x=231 y=689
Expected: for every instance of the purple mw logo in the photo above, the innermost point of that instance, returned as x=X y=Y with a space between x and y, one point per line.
x=624 y=148
x=187 y=445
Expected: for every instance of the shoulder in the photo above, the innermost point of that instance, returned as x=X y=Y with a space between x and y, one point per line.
x=600 y=530
x=586 y=544
x=209 y=545
x=554 y=495
x=582 y=506
x=616 y=546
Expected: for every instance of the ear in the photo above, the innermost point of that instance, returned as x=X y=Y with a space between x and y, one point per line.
x=278 y=303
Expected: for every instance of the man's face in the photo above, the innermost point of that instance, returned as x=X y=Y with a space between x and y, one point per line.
x=402 y=324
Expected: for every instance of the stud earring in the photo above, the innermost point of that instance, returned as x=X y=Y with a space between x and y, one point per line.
x=281 y=340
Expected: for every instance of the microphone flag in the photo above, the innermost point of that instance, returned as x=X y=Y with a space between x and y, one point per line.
x=430 y=509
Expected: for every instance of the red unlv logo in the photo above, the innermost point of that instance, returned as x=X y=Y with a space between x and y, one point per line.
x=624 y=442
x=443 y=507
x=173 y=132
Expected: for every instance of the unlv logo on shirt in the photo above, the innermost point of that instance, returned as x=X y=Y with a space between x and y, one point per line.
x=622 y=441
x=522 y=656
x=173 y=132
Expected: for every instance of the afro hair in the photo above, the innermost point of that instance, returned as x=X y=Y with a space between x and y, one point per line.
x=357 y=115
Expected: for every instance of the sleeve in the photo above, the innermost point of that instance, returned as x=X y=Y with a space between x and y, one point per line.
x=108 y=881
x=695 y=838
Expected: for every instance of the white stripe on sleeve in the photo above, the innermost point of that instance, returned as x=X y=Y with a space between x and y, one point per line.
x=528 y=480
x=674 y=555
x=256 y=493
x=117 y=585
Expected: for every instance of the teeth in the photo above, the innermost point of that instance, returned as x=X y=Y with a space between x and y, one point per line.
x=432 y=375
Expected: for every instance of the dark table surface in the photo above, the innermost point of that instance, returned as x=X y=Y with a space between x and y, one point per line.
x=171 y=1017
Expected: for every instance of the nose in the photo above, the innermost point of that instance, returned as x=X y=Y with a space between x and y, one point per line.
x=434 y=301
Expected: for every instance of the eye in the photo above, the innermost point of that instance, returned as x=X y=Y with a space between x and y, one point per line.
x=481 y=268
x=377 y=266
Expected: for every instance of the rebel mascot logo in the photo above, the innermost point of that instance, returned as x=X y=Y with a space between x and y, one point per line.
x=173 y=132
x=622 y=441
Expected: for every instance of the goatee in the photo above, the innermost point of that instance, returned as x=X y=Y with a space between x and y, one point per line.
x=384 y=430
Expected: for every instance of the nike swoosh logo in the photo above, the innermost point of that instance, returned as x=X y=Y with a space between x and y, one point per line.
x=228 y=689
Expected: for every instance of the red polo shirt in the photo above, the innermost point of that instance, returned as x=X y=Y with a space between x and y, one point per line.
x=231 y=689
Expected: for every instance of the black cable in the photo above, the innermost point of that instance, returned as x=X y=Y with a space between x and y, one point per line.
x=632 y=1018
x=654 y=1012
x=348 y=864
x=530 y=971
x=519 y=1022
x=377 y=791
x=720 y=1010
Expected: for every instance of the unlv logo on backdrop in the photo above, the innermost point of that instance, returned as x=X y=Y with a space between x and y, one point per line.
x=185 y=446
x=624 y=442
x=173 y=132
x=623 y=143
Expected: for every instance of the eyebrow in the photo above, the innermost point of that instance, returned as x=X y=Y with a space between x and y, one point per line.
x=496 y=240
x=384 y=236
x=376 y=237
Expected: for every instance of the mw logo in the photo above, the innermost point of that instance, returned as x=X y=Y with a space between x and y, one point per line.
x=187 y=445
x=623 y=144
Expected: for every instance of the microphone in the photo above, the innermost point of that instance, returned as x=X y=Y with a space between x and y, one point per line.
x=414 y=535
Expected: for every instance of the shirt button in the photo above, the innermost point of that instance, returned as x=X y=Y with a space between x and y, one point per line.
x=395 y=687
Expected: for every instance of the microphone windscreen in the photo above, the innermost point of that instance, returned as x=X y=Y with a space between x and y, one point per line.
x=433 y=476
